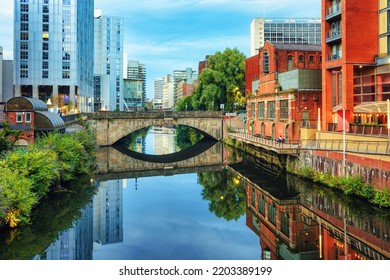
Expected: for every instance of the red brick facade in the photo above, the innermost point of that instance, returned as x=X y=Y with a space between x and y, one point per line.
x=349 y=46
x=276 y=111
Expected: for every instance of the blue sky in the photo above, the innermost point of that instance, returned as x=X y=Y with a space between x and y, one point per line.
x=167 y=35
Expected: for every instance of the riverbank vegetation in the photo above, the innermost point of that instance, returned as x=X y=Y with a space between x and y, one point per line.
x=27 y=174
x=352 y=185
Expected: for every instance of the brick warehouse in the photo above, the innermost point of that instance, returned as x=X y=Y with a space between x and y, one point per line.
x=288 y=93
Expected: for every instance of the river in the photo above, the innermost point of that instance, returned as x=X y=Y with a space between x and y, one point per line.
x=216 y=205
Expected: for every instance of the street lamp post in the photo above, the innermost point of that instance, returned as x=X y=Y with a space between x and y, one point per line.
x=388 y=125
x=344 y=146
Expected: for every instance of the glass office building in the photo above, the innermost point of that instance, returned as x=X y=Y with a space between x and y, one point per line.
x=285 y=30
x=108 y=63
x=53 y=52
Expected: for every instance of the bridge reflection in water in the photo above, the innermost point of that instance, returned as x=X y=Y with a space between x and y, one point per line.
x=298 y=220
x=294 y=219
x=116 y=162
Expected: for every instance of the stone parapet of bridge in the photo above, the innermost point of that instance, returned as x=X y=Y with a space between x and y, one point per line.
x=112 y=126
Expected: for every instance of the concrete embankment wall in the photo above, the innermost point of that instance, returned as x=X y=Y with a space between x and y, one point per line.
x=374 y=169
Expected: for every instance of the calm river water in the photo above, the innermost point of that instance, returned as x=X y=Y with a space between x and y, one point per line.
x=214 y=206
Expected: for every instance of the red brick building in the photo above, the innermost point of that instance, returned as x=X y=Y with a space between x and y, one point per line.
x=289 y=89
x=31 y=116
x=350 y=48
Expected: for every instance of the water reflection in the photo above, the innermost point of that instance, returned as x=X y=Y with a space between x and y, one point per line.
x=61 y=210
x=218 y=205
x=298 y=220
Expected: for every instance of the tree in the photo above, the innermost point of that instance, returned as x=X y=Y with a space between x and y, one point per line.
x=222 y=82
x=225 y=192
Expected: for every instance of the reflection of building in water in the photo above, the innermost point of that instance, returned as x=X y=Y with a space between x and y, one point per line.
x=164 y=141
x=107 y=213
x=313 y=225
x=296 y=219
x=283 y=233
x=75 y=243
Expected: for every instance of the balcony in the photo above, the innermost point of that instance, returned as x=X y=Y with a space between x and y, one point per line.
x=333 y=56
x=333 y=11
x=334 y=35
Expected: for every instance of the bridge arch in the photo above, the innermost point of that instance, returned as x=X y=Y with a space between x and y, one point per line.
x=112 y=126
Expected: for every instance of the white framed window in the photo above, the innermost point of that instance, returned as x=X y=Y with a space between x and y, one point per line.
x=28 y=117
x=19 y=117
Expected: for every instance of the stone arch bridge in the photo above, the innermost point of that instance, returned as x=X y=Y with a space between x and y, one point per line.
x=112 y=126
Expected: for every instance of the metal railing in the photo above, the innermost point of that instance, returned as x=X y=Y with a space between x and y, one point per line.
x=362 y=129
x=351 y=146
x=265 y=140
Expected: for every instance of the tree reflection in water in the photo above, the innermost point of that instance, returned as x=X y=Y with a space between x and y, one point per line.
x=54 y=215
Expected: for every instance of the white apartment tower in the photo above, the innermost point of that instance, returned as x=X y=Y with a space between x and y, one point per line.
x=53 y=52
x=158 y=90
x=108 y=62
x=284 y=30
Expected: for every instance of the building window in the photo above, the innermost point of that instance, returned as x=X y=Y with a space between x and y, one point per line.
x=311 y=59
x=24 y=64
x=45 y=64
x=45 y=55
x=66 y=65
x=284 y=109
x=271 y=109
x=45 y=46
x=253 y=197
x=24 y=26
x=265 y=62
x=19 y=117
x=24 y=8
x=28 y=117
x=261 y=110
x=45 y=27
x=285 y=224
x=272 y=214
x=24 y=36
x=45 y=18
x=66 y=56
x=301 y=59
x=23 y=74
x=24 y=45
x=23 y=54
x=45 y=9
x=290 y=62
x=253 y=105
x=45 y=74
x=24 y=17
x=262 y=205
x=66 y=74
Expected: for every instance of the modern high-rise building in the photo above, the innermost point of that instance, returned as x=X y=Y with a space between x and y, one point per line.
x=108 y=213
x=135 y=86
x=284 y=30
x=158 y=95
x=108 y=62
x=53 y=52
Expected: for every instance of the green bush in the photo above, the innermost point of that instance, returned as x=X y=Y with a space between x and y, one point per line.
x=382 y=198
x=40 y=166
x=26 y=174
x=16 y=197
